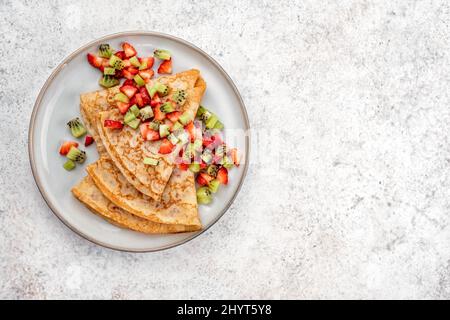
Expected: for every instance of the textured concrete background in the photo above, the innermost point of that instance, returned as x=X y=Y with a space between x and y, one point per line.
x=357 y=94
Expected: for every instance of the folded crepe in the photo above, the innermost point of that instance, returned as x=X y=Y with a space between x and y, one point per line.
x=127 y=147
x=87 y=192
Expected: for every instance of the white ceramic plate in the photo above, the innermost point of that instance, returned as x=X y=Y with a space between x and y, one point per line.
x=58 y=102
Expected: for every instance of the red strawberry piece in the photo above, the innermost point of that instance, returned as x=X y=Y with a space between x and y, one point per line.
x=147 y=74
x=235 y=157
x=158 y=114
x=145 y=96
x=190 y=129
x=207 y=141
x=121 y=55
x=128 y=90
x=183 y=166
x=222 y=175
x=168 y=123
x=65 y=147
x=150 y=61
x=126 y=63
x=88 y=141
x=204 y=179
x=113 y=124
x=165 y=67
x=139 y=100
x=127 y=74
x=123 y=106
x=95 y=61
x=166 y=146
x=174 y=116
x=119 y=74
x=133 y=70
x=203 y=165
x=152 y=135
x=129 y=50
x=128 y=82
x=155 y=100
x=133 y=101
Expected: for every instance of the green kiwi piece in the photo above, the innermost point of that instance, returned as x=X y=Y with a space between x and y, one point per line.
x=226 y=162
x=218 y=125
x=162 y=54
x=122 y=97
x=212 y=170
x=77 y=128
x=221 y=150
x=213 y=185
x=129 y=116
x=171 y=137
x=116 y=62
x=186 y=117
x=162 y=89
x=201 y=110
x=134 y=123
x=206 y=156
x=76 y=154
x=204 y=195
x=108 y=81
x=150 y=89
x=69 y=165
x=180 y=97
x=211 y=122
x=205 y=116
x=135 y=61
x=105 y=51
x=139 y=81
x=109 y=71
x=151 y=161
x=136 y=111
x=177 y=126
x=154 y=125
x=167 y=107
x=146 y=113
x=163 y=130
x=189 y=151
x=194 y=167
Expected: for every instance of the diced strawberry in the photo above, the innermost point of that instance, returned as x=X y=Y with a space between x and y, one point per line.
x=95 y=61
x=235 y=157
x=173 y=116
x=139 y=100
x=145 y=96
x=204 y=179
x=126 y=63
x=129 y=50
x=128 y=82
x=190 y=129
x=133 y=70
x=183 y=166
x=121 y=55
x=133 y=101
x=123 y=106
x=149 y=60
x=127 y=74
x=152 y=135
x=168 y=123
x=158 y=114
x=207 y=141
x=119 y=74
x=165 y=67
x=113 y=124
x=128 y=90
x=222 y=175
x=147 y=73
x=65 y=147
x=156 y=100
x=88 y=140
x=203 y=165
x=166 y=146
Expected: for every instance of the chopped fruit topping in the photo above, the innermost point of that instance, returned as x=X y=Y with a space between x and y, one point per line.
x=77 y=128
x=159 y=115
x=88 y=140
x=123 y=107
x=190 y=129
x=135 y=62
x=129 y=50
x=135 y=110
x=222 y=175
x=176 y=126
x=128 y=90
x=172 y=138
x=139 y=100
x=127 y=74
x=206 y=156
x=163 y=130
x=139 y=81
x=167 y=107
x=218 y=125
x=154 y=125
x=151 y=161
x=203 y=179
x=69 y=165
x=204 y=195
x=65 y=147
x=109 y=71
x=108 y=81
x=162 y=54
x=234 y=156
x=147 y=74
x=213 y=186
x=134 y=123
x=210 y=123
x=76 y=154
x=146 y=63
x=150 y=89
x=133 y=70
x=95 y=61
x=126 y=63
x=166 y=146
x=148 y=133
x=226 y=162
x=186 y=117
x=180 y=97
x=173 y=116
x=113 y=124
x=121 y=55
x=200 y=111
x=194 y=167
x=145 y=96
x=116 y=62
x=104 y=50
x=183 y=166
x=121 y=97
x=212 y=170
x=165 y=67
x=129 y=117
x=146 y=113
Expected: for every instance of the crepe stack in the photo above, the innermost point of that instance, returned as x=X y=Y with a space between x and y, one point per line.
x=123 y=190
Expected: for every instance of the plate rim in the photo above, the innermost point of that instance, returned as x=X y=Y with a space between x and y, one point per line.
x=37 y=107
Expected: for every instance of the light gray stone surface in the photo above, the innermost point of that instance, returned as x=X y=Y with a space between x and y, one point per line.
x=355 y=93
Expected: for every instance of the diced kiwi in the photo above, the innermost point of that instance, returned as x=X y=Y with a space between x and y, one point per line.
x=189 y=151
x=134 y=123
x=180 y=97
x=116 y=62
x=109 y=71
x=213 y=185
x=154 y=125
x=77 y=128
x=151 y=161
x=210 y=123
x=221 y=150
x=76 y=154
x=186 y=117
x=162 y=54
x=177 y=126
x=226 y=162
x=135 y=61
x=108 y=81
x=204 y=195
x=69 y=165
x=162 y=89
x=105 y=51
x=201 y=110
x=146 y=113
x=163 y=130
x=218 y=125
x=150 y=89
x=206 y=156
x=194 y=167
x=212 y=170
x=129 y=116
x=167 y=107
x=171 y=137
x=134 y=108
x=206 y=115
x=122 y=97
x=139 y=81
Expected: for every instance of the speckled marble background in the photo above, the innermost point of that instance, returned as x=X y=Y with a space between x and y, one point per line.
x=357 y=94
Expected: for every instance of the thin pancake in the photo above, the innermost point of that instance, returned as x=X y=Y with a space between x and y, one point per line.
x=87 y=192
